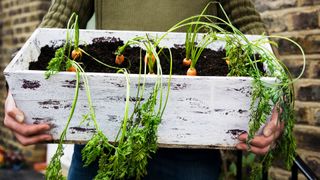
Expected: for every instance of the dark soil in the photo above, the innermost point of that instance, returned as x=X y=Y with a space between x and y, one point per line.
x=211 y=63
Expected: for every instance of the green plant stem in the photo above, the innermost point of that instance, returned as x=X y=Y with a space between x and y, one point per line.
x=169 y=85
x=104 y=64
x=126 y=109
x=54 y=168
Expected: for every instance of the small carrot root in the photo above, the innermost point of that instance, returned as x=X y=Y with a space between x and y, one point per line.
x=72 y=69
x=147 y=58
x=192 y=72
x=119 y=59
x=186 y=62
x=76 y=54
x=227 y=61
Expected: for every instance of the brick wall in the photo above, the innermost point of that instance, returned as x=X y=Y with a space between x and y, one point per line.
x=299 y=20
x=18 y=20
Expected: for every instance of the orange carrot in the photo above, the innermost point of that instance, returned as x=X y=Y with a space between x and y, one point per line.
x=186 y=62
x=119 y=59
x=72 y=69
x=192 y=72
x=75 y=54
x=147 y=57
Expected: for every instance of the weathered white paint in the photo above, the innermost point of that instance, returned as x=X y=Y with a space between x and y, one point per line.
x=201 y=112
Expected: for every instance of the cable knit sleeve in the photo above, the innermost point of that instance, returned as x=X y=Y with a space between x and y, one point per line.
x=244 y=16
x=60 y=11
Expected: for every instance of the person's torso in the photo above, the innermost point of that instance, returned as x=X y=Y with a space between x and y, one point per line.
x=147 y=15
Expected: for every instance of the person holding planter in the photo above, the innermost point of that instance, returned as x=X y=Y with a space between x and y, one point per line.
x=150 y=15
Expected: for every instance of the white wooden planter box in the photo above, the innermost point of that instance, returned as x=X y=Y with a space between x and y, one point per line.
x=202 y=112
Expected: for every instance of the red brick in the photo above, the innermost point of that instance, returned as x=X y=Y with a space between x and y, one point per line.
x=315 y=70
x=302 y=115
x=309 y=93
x=308 y=113
x=309 y=42
x=303 y=20
x=292 y=19
x=295 y=67
x=307 y=137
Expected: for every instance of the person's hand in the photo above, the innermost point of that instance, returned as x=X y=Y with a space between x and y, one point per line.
x=25 y=134
x=261 y=144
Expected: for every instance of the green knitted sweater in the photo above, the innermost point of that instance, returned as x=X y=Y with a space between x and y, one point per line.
x=149 y=15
